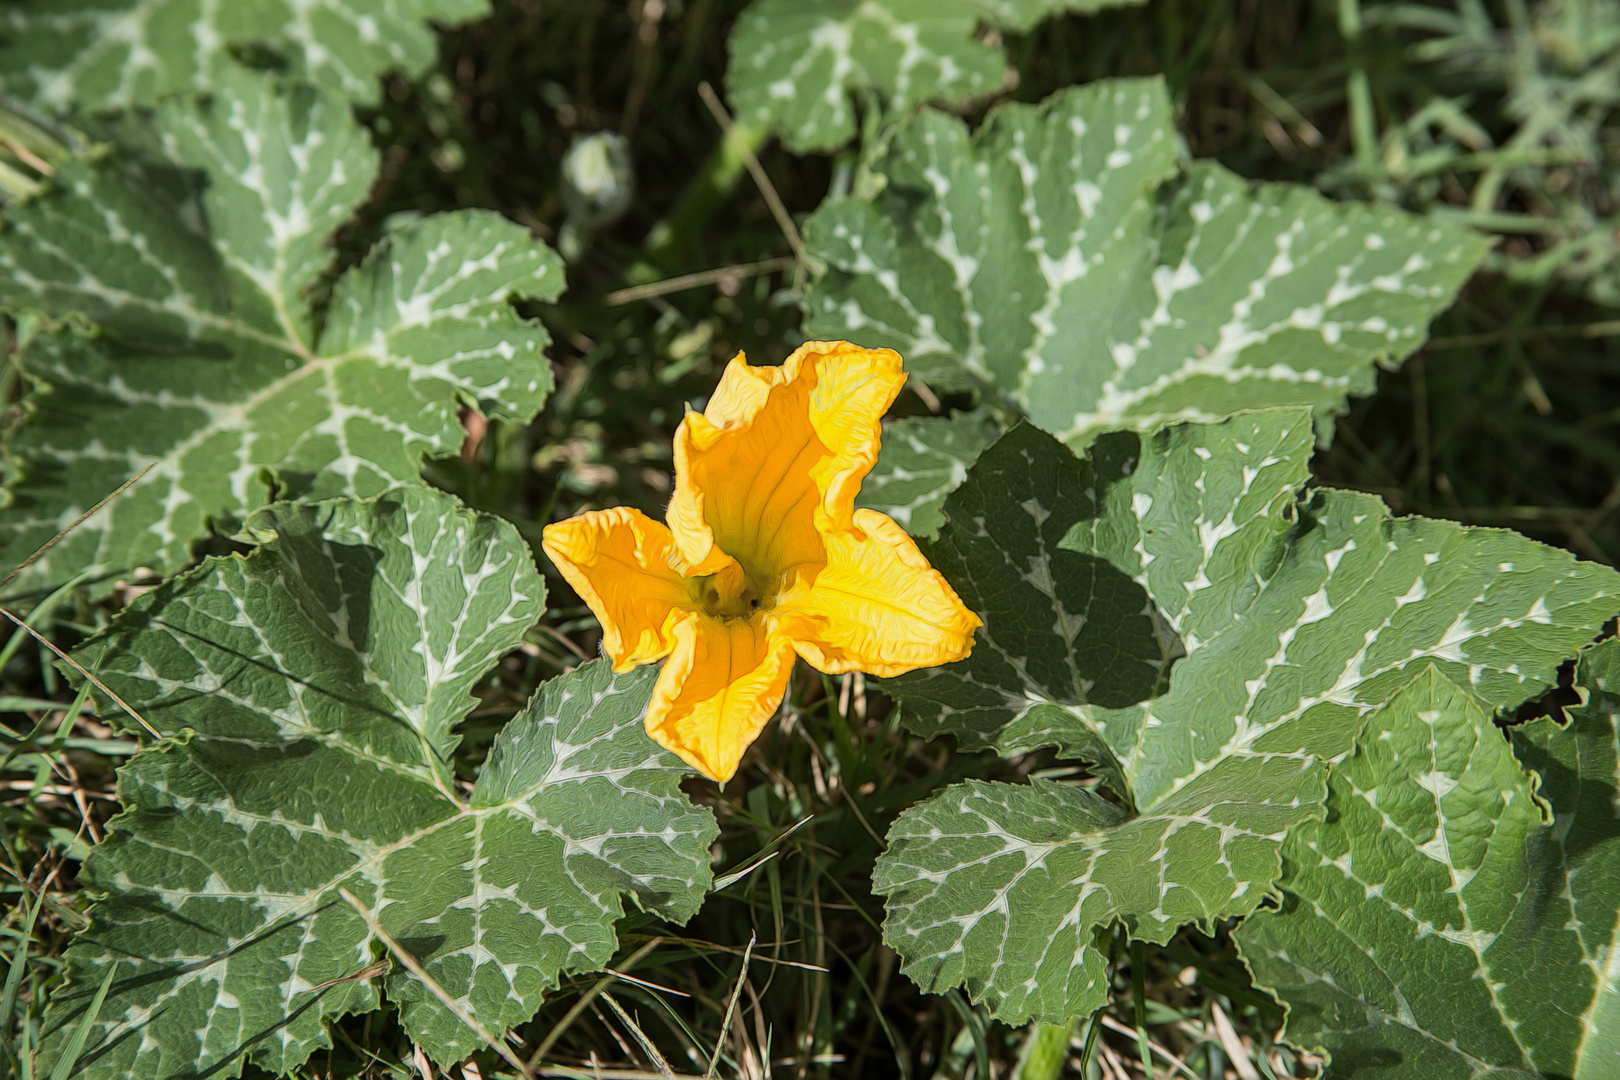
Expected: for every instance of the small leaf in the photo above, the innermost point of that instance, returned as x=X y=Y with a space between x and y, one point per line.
x=1436 y=924
x=921 y=460
x=99 y=54
x=312 y=690
x=1298 y=617
x=432 y=299
x=1032 y=257
x=210 y=366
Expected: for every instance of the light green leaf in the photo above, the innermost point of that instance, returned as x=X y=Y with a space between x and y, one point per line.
x=210 y=367
x=921 y=460
x=794 y=63
x=1033 y=258
x=312 y=690
x=1022 y=15
x=1299 y=613
x=95 y=54
x=1435 y=925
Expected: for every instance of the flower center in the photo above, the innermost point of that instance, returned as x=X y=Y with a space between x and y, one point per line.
x=732 y=596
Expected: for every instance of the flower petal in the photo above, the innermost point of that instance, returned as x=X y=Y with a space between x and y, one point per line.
x=718 y=689
x=779 y=456
x=877 y=606
x=619 y=561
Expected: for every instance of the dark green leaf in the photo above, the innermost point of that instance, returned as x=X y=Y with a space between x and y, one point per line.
x=312 y=690
x=922 y=459
x=1298 y=617
x=1436 y=924
x=93 y=54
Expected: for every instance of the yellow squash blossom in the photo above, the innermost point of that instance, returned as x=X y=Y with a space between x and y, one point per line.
x=765 y=556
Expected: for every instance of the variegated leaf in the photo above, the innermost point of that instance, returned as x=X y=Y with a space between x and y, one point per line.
x=1436 y=924
x=312 y=690
x=210 y=368
x=1299 y=614
x=93 y=54
x=1033 y=258
x=921 y=460
x=796 y=65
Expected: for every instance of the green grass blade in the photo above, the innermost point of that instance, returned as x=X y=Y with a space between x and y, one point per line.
x=25 y=1053
x=70 y=1056
x=1139 y=1003
x=8 y=997
x=62 y=729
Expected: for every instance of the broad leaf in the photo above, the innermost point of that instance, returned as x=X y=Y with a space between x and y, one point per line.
x=1062 y=629
x=795 y=64
x=920 y=461
x=92 y=54
x=1298 y=614
x=312 y=690
x=1435 y=924
x=1033 y=258
x=210 y=366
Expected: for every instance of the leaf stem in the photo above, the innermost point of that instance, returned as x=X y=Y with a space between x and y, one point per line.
x=1144 y=1045
x=779 y=211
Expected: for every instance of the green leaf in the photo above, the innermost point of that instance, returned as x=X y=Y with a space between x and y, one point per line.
x=794 y=63
x=1062 y=629
x=284 y=172
x=1435 y=924
x=920 y=461
x=1299 y=611
x=96 y=54
x=1022 y=15
x=1034 y=258
x=311 y=691
x=210 y=366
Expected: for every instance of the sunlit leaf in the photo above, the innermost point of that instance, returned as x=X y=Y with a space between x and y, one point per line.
x=798 y=66
x=1062 y=257
x=210 y=366
x=795 y=63
x=1436 y=924
x=312 y=689
x=108 y=53
x=1299 y=612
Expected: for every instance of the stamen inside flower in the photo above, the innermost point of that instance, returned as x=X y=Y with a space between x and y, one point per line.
x=732 y=595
